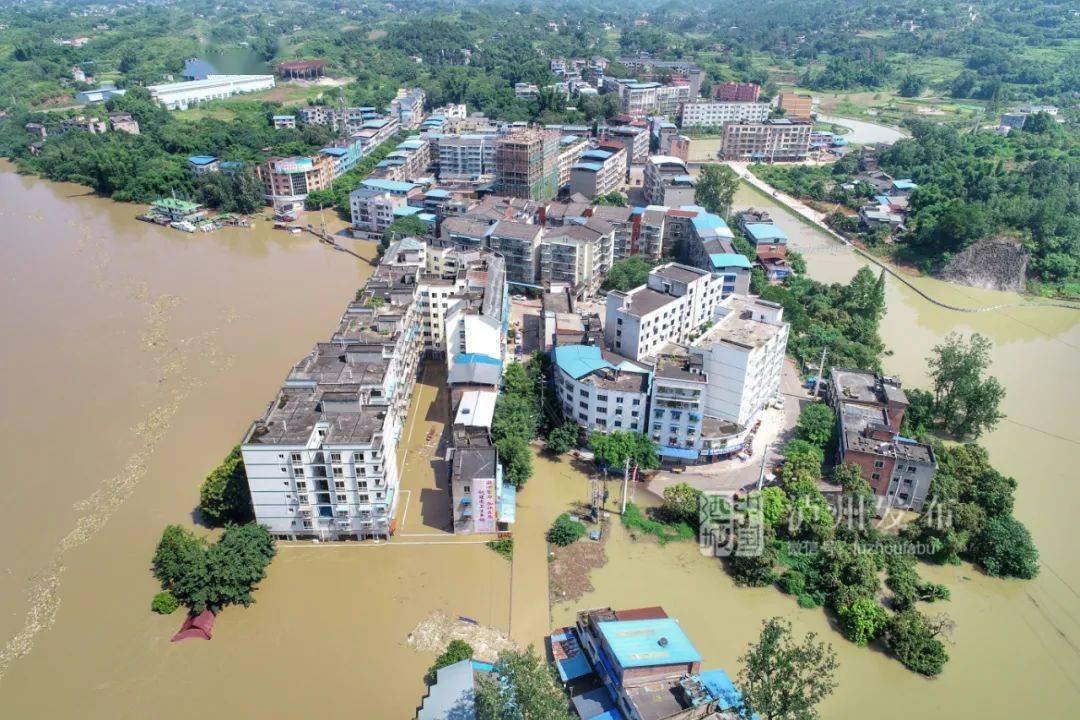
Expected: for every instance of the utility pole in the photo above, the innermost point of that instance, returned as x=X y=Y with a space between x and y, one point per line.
x=761 y=472
x=821 y=369
x=625 y=485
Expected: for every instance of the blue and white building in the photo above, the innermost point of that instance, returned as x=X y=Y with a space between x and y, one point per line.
x=600 y=390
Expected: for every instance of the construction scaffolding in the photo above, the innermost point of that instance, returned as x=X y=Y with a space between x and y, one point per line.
x=527 y=164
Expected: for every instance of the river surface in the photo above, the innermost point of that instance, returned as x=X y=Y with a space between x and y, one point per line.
x=135 y=356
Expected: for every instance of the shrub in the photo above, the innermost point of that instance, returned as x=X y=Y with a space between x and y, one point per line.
x=1004 y=548
x=862 y=620
x=913 y=641
x=792 y=582
x=562 y=438
x=565 y=531
x=164 y=603
x=456 y=651
x=503 y=547
x=816 y=424
x=224 y=496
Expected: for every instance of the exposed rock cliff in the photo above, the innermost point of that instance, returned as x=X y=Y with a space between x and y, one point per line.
x=994 y=263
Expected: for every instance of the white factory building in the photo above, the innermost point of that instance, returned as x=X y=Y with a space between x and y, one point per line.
x=182 y=95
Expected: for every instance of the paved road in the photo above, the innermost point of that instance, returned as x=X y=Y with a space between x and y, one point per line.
x=865 y=132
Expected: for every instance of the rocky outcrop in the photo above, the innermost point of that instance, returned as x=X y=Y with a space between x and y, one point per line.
x=994 y=263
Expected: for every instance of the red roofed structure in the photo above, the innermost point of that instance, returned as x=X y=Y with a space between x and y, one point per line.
x=196 y=626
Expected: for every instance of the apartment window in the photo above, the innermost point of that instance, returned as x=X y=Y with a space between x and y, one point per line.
x=602 y=410
x=342 y=498
x=299 y=471
x=583 y=393
x=302 y=499
x=602 y=398
x=911 y=468
x=879 y=464
x=358 y=457
x=619 y=321
x=361 y=485
x=583 y=417
x=363 y=498
x=339 y=485
x=618 y=423
x=338 y=472
x=875 y=476
x=301 y=486
x=307 y=524
x=335 y=457
x=296 y=458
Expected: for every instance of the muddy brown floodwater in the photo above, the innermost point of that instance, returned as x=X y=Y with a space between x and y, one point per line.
x=135 y=356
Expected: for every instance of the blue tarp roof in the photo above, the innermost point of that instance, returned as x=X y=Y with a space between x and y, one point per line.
x=765 y=231
x=678 y=453
x=201 y=159
x=580 y=360
x=636 y=643
x=508 y=504
x=721 y=260
x=477 y=358
x=720 y=687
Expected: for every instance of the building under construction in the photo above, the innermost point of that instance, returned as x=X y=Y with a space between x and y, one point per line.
x=527 y=164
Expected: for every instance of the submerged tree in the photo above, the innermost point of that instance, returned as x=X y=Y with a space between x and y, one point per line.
x=782 y=679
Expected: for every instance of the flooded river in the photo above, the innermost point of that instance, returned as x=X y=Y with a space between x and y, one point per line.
x=135 y=356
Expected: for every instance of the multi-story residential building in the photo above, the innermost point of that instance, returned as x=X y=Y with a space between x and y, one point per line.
x=600 y=390
x=462 y=231
x=469 y=157
x=408 y=161
x=622 y=224
x=635 y=138
x=870 y=409
x=598 y=172
x=678 y=146
x=519 y=244
x=770 y=244
x=373 y=210
x=637 y=98
x=182 y=95
x=375 y=132
x=669 y=98
x=795 y=106
x=284 y=122
x=649 y=232
x=714 y=114
x=476 y=318
x=570 y=149
x=735 y=91
x=779 y=140
x=694 y=74
x=578 y=255
x=287 y=181
x=706 y=397
x=674 y=302
x=668 y=182
x=322 y=461
x=527 y=164
x=408 y=107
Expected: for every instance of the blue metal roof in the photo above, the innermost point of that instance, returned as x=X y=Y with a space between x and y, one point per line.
x=406 y=210
x=904 y=184
x=438 y=193
x=596 y=154
x=720 y=687
x=284 y=117
x=201 y=159
x=335 y=151
x=592 y=167
x=580 y=360
x=678 y=453
x=760 y=232
x=643 y=643
x=722 y=260
x=388 y=185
